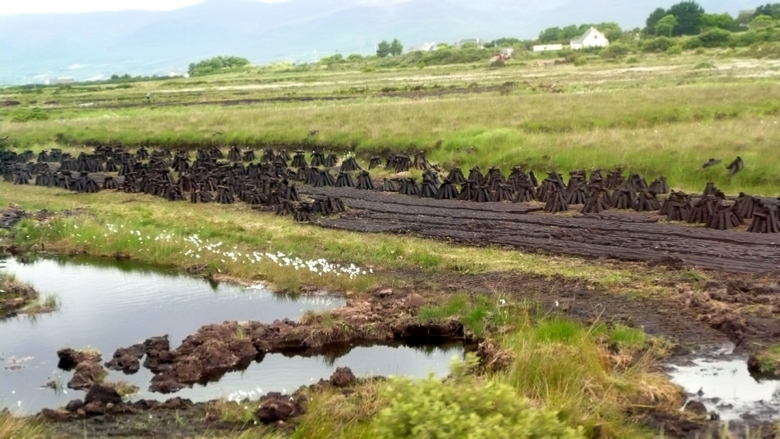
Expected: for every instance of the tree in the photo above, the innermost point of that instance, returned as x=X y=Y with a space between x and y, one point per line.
x=666 y=25
x=551 y=34
x=396 y=48
x=383 y=49
x=688 y=15
x=715 y=38
x=570 y=32
x=611 y=30
x=745 y=17
x=761 y=22
x=217 y=64
x=771 y=10
x=719 y=21
x=654 y=17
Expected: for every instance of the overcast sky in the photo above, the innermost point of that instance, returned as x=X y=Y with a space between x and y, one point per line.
x=43 y=6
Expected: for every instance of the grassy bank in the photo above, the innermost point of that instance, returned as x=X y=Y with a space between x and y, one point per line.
x=560 y=380
x=237 y=241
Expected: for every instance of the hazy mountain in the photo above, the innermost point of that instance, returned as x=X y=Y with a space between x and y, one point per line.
x=90 y=45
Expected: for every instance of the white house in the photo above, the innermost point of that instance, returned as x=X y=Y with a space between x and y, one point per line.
x=425 y=47
x=591 y=38
x=547 y=47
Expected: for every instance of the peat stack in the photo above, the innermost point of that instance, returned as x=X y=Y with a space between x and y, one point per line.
x=55 y=155
x=215 y=153
x=765 y=217
x=553 y=182
x=615 y=179
x=288 y=192
x=402 y=163
x=21 y=176
x=303 y=213
x=577 y=191
x=284 y=208
x=637 y=183
x=234 y=154
x=456 y=176
x=46 y=179
x=374 y=162
x=326 y=178
x=43 y=157
x=556 y=199
x=735 y=166
x=284 y=155
x=344 y=180
x=350 y=165
x=389 y=161
x=432 y=175
x=420 y=162
x=711 y=190
x=109 y=183
x=199 y=196
x=647 y=201
x=249 y=156
x=677 y=207
x=224 y=195
x=390 y=186
x=364 y=181
x=576 y=179
x=482 y=194
x=268 y=155
x=327 y=206
x=302 y=174
x=142 y=154
x=710 y=162
x=624 y=197
x=704 y=209
x=495 y=178
x=724 y=218
x=598 y=199
x=468 y=191
x=503 y=192
x=299 y=160
x=409 y=187
x=428 y=188
x=317 y=158
x=110 y=166
x=331 y=160
x=475 y=176
x=447 y=191
x=596 y=176
x=659 y=186
x=745 y=205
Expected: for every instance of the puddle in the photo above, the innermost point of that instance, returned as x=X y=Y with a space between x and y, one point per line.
x=107 y=304
x=728 y=389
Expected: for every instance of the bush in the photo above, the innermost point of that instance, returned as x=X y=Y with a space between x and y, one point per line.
x=674 y=50
x=217 y=64
x=580 y=61
x=691 y=43
x=660 y=44
x=615 y=51
x=28 y=115
x=632 y=60
x=463 y=407
x=715 y=38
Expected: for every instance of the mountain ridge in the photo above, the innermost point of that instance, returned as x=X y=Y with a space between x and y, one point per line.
x=98 y=44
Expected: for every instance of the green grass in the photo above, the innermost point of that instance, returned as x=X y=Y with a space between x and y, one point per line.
x=478 y=314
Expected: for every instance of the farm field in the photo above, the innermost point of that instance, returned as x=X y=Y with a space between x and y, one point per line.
x=584 y=254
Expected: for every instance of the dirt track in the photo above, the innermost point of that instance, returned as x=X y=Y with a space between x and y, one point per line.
x=523 y=226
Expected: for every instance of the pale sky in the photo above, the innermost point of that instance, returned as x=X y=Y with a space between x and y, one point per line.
x=44 y=6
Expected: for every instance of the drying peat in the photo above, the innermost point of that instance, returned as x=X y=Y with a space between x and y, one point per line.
x=709 y=231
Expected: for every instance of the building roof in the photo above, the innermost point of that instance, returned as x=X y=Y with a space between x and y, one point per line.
x=587 y=33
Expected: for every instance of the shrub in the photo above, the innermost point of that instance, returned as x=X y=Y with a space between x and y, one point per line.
x=703 y=65
x=691 y=43
x=674 y=50
x=660 y=44
x=27 y=115
x=463 y=407
x=217 y=64
x=615 y=51
x=580 y=61
x=632 y=60
x=715 y=38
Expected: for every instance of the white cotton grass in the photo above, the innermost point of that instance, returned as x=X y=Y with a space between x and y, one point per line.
x=206 y=252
